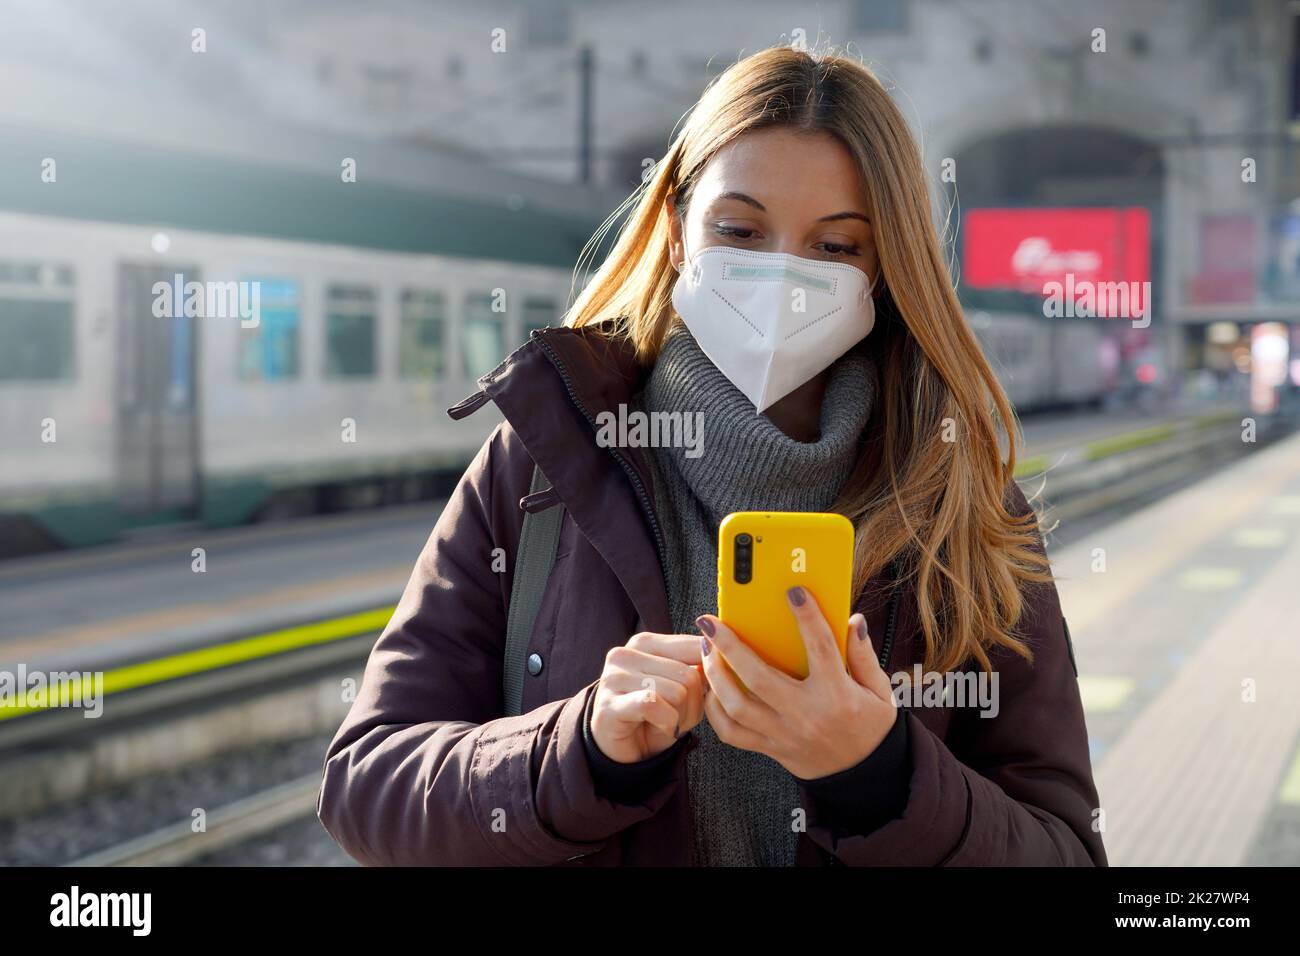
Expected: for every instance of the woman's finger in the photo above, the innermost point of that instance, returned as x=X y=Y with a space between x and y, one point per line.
x=742 y=706
x=818 y=640
x=763 y=681
x=863 y=664
x=630 y=682
x=730 y=731
x=636 y=661
x=643 y=707
x=679 y=647
x=625 y=682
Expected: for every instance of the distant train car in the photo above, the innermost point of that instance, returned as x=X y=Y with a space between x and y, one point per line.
x=1044 y=363
x=119 y=410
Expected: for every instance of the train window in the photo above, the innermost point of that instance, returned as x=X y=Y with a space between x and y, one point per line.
x=36 y=274
x=37 y=326
x=538 y=314
x=268 y=352
x=349 y=331
x=423 y=344
x=484 y=336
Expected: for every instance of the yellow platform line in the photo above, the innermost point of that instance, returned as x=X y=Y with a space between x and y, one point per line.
x=1289 y=793
x=1104 y=693
x=189 y=663
x=1128 y=441
x=1210 y=578
x=1260 y=538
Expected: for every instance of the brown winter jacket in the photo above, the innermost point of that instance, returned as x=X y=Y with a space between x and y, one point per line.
x=426 y=770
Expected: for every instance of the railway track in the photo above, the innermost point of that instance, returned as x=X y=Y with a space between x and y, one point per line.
x=180 y=844
x=58 y=756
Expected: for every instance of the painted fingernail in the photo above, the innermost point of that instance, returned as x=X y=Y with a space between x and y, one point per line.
x=705 y=646
x=704 y=624
x=796 y=596
x=862 y=628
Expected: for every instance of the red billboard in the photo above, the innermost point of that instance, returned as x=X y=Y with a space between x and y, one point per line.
x=1025 y=249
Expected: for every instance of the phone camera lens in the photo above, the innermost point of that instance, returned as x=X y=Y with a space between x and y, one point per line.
x=744 y=562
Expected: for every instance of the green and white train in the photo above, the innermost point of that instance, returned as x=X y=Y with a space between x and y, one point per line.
x=381 y=301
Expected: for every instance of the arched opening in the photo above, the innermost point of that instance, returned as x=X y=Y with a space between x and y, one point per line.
x=1055 y=227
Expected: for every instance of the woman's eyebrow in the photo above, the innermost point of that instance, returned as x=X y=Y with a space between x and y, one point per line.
x=847 y=214
x=751 y=201
x=743 y=197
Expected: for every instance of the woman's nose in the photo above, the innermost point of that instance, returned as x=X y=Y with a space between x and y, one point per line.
x=787 y=244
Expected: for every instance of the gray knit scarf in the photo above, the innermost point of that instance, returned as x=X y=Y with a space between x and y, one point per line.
x=741 y=801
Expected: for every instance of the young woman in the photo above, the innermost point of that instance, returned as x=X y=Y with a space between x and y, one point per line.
x=637 y=743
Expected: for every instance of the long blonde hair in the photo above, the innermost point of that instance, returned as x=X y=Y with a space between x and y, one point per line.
x=932 y=506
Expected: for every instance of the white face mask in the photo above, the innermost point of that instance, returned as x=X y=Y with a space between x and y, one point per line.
x=771 y=321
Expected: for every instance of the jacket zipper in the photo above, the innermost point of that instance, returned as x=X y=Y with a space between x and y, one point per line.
x=887 y=648
x=628 y=467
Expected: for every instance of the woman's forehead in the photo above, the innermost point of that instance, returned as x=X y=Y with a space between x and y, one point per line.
x=781 y=167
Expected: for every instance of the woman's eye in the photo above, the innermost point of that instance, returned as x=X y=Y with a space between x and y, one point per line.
x=734 y=232
x=838 y=249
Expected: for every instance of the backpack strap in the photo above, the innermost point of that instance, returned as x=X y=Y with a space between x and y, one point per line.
x=537 y=542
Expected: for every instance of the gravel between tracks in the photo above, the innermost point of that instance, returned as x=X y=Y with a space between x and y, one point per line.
x=72 y=830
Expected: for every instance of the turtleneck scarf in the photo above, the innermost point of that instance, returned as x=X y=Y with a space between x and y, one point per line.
x=742 y=802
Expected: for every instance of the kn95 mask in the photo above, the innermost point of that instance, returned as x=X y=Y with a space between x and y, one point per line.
x=771 y=321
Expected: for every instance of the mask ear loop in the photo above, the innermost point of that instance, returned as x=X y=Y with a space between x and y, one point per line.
x=686 y=254
x=690 y=269
x=683 y=272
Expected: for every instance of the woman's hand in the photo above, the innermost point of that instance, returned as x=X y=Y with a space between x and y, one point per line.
x=651 y=692
x=829 y=721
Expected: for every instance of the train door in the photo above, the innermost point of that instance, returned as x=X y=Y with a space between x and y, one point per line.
x=157 y=421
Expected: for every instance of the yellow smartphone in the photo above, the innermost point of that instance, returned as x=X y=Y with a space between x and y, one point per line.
x=761 y=555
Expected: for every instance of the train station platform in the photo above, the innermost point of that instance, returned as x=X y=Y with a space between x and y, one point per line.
x=1186 y=623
